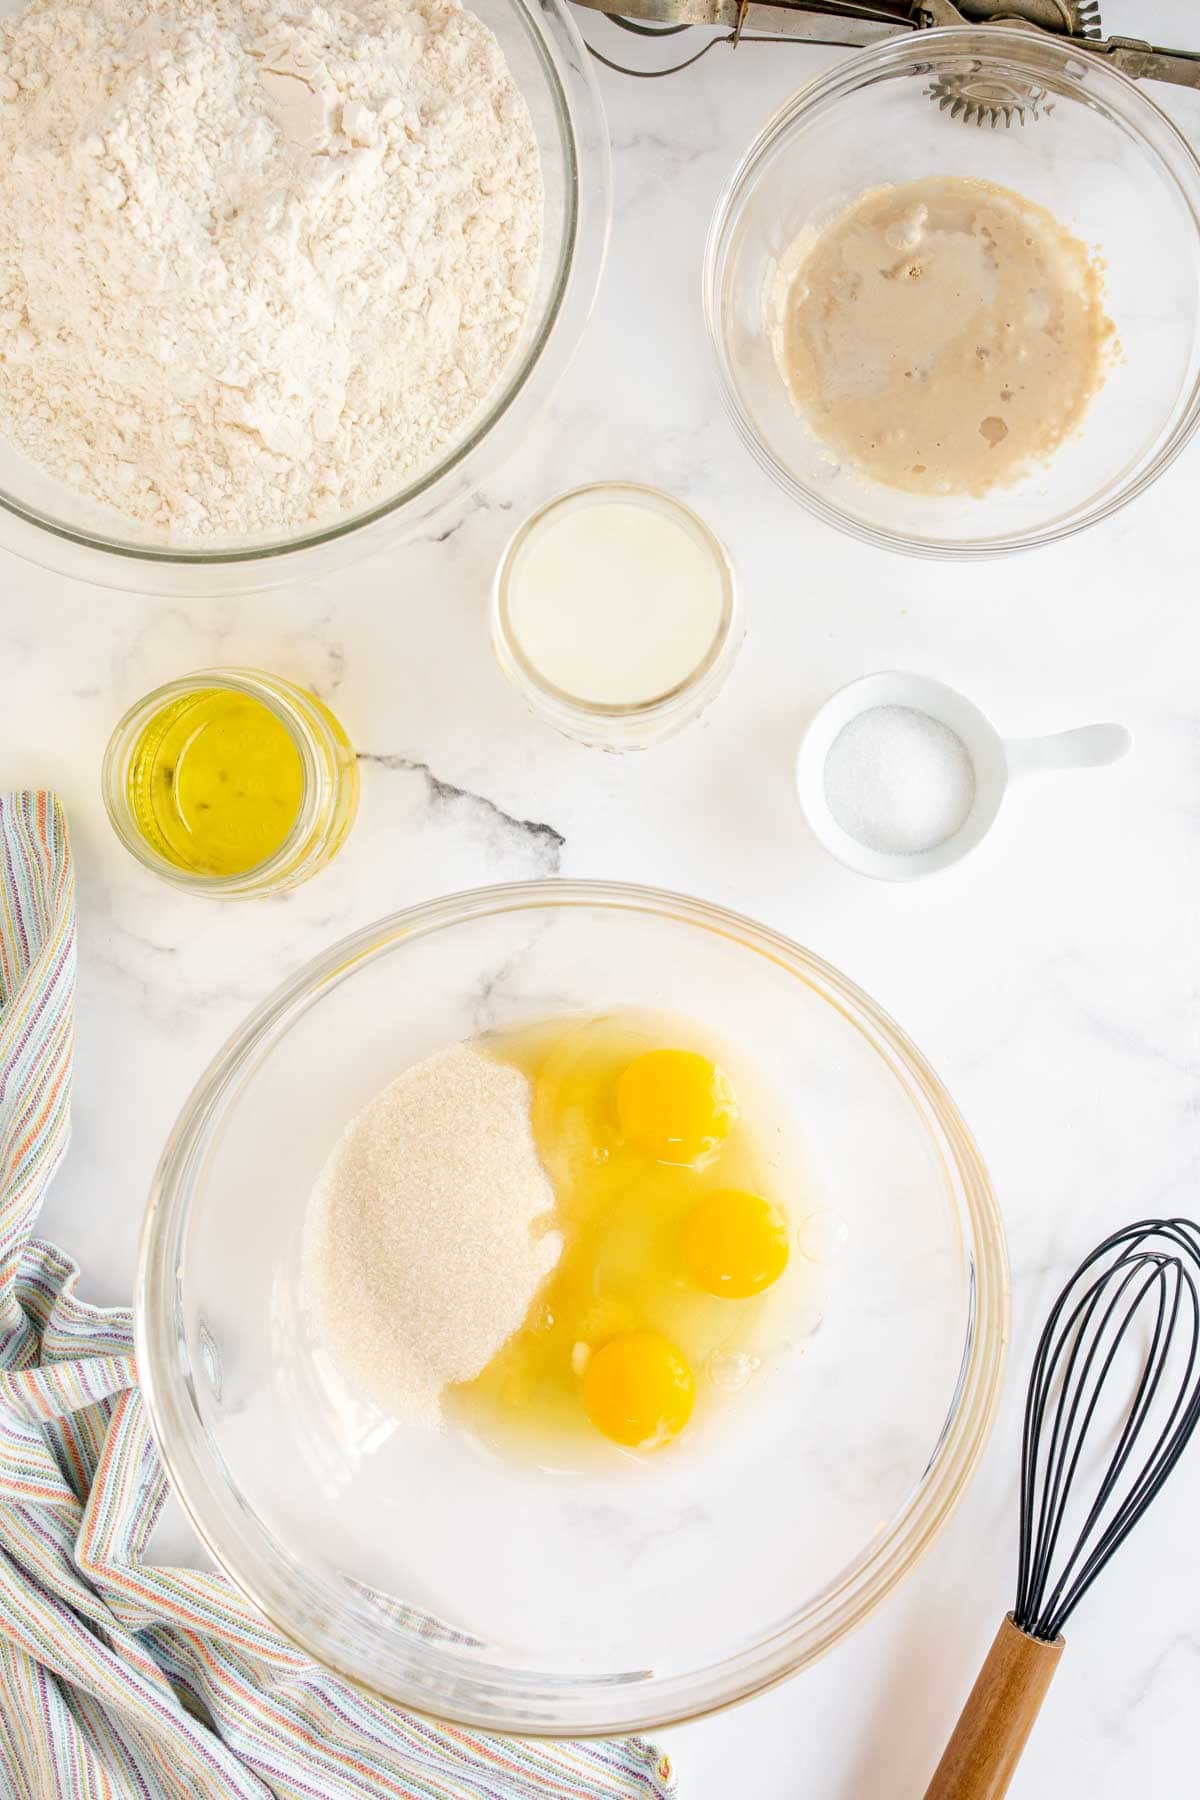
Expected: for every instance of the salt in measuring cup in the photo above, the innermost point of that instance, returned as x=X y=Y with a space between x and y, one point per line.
x=996 y=762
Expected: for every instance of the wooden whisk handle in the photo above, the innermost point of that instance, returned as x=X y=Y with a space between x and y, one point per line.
x=982 y=1756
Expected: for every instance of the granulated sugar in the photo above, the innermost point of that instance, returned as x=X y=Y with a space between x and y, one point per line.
x=898 y=781
x=430 y=1231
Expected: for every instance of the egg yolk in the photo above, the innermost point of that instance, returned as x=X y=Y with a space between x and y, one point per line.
x=735 y=1244
x=634 y=1337
x=638 y=1390
x=674 y=1105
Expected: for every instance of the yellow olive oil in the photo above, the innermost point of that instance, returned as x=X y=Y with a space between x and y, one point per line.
x=216 y=782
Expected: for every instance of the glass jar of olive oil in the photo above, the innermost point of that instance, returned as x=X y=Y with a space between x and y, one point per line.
x=231 y=783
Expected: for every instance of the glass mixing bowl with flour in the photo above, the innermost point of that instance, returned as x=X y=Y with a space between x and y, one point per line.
x=280 y=281
x=1095 y=188
x=558 y=1596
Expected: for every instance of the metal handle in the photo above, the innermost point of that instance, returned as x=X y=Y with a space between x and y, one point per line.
x=982 y=1756
x=1147 y=62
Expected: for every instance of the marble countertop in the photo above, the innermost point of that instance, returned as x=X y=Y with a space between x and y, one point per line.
x=1052 y=979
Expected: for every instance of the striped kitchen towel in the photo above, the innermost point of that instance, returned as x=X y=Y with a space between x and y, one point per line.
x=120 y=1680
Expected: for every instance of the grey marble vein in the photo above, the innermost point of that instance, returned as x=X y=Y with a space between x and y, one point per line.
x=546 y=841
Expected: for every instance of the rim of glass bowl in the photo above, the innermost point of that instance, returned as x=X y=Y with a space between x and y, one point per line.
x=583 y=130
x=1021 y=52
x=517 y=1702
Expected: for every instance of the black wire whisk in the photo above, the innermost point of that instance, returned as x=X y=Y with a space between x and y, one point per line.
x=1145 y=1279
x=1114 y=1397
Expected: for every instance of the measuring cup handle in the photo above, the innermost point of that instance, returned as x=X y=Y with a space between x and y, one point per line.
x=1087 y=747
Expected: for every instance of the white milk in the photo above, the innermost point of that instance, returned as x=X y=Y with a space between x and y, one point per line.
x=616 y=596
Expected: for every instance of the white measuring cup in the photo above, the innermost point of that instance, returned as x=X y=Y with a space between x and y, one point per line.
x=996 y=762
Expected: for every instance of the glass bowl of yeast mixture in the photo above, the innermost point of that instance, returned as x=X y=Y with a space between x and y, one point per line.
x=953 y=291
x=646 y=1542
x=279 y=286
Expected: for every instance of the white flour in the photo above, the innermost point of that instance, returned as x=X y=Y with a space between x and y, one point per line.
x=259 y=263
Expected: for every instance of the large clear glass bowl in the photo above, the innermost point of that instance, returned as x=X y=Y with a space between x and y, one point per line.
x=548 y=1602
x=1099 y=154
x=48 y=523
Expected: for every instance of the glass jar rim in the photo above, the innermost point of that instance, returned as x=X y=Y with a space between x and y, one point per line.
x=629 y=711
x=271 y=691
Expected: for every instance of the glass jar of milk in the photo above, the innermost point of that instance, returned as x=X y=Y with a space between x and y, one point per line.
x=616 y=614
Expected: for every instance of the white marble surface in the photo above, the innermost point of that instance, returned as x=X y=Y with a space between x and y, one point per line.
x=1052 y=979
